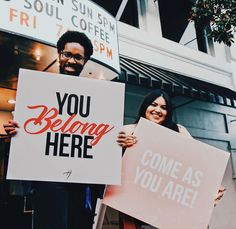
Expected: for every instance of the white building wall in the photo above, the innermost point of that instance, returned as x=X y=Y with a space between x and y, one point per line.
x=147 y=44
x=232 y=58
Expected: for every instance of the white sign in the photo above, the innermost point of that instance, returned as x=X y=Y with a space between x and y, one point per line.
x=47 y=20
x=168 y=180
x=68 y=129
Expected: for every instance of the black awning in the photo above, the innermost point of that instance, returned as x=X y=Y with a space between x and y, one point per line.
x=145 y=75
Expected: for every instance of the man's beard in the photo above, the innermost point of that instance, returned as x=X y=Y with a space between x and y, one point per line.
x=77 y=67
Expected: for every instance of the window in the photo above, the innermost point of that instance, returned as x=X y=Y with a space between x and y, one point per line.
x=129 y=14
x=176 y=27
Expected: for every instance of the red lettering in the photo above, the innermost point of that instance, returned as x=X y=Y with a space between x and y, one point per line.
x=102 y=47
x=48 y=120
x=90 y=127
x=109 y=53
x=75 y=126
x=67 y=123
x=55 y=124
x=96 y=47
x=101 y=130
x=42 y=118
x=24 y=19
x=12 y=14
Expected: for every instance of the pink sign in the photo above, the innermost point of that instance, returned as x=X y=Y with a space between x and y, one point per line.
x=168 y=180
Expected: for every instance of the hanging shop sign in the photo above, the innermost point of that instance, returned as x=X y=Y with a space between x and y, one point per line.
x=47 y=20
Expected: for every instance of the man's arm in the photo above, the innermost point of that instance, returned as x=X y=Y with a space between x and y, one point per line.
x=11 y=127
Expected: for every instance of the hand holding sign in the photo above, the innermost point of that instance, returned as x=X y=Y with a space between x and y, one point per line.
x=219 y=195
x=126 y=140
x=10 y=127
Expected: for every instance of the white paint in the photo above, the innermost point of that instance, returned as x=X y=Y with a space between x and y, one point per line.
x=174 y=57
x=121 y=9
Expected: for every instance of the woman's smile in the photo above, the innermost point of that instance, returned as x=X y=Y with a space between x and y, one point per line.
x=157 y=112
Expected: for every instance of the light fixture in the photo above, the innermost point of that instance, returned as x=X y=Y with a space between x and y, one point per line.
x=38 y=54
x=11 y=101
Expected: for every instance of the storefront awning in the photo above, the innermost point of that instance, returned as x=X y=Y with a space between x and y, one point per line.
x=145 y=75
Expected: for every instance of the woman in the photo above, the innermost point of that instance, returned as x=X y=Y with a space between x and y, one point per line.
x=155 y=107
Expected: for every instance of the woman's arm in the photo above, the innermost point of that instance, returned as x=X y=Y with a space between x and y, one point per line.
x=219 y=195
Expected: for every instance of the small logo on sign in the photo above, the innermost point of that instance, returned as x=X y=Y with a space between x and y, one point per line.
x=68 y=173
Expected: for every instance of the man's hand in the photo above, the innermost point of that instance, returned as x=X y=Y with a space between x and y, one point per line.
x=125 y=140
x=11 y=127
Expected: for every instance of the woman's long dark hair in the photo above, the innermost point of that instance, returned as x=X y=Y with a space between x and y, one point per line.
x=148 y=101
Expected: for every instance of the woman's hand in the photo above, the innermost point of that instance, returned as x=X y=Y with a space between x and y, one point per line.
x=124 y=140
x=11 y=127
x=219 y=195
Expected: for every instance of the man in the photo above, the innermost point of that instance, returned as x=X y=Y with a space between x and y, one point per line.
x=61 y=205
x=74 y=50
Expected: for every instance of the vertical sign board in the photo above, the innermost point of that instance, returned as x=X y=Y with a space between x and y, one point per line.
x=47 y=20
x=68 y=129
x=168 y=180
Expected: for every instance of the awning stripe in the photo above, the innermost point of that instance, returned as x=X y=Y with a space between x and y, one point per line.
x=147 y=75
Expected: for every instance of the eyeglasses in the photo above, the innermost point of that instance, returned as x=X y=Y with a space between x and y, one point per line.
x=69 y=55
